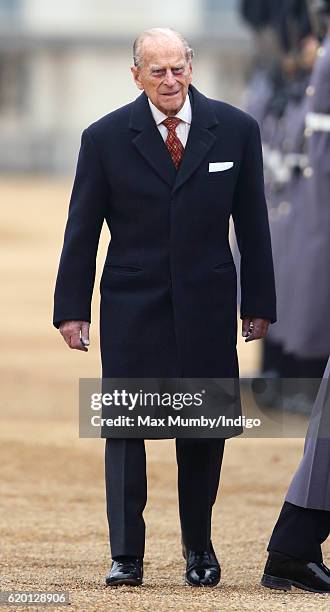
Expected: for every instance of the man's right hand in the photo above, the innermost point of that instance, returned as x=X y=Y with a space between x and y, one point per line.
x=75 y=334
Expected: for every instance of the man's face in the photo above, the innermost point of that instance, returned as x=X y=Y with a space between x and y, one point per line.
x=165 y=74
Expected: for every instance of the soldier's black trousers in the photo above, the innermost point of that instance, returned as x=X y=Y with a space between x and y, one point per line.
x=299 y=532
x=199 y=465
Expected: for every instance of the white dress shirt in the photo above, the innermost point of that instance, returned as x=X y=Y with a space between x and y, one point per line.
x=182 y=129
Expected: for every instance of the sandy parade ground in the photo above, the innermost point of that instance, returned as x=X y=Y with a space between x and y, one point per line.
x=53 y=523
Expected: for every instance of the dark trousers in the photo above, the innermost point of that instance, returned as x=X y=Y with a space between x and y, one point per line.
x=299 y=532
x=199 y=465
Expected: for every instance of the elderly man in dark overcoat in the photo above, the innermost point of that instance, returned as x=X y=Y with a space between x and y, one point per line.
x=166 y=172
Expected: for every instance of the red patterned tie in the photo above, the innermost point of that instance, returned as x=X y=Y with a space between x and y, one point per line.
x=173 y=142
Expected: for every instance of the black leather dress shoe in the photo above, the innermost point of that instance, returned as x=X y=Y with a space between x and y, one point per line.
x=283 y=572
x=126 y=570
x=203 y=569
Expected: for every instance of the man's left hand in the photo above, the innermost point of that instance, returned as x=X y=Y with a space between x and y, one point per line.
x=254 y=329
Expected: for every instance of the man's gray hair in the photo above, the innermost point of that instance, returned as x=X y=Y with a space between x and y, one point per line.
x=154 y=32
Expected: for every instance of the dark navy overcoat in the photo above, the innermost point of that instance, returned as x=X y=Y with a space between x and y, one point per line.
x=168 y=288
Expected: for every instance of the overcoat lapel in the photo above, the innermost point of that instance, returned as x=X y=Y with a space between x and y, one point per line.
x=199 y=143
x=149 y=141
x=200 y=139
x=150 y=144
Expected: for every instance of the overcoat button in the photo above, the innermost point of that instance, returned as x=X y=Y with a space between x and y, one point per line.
x=310 y=91
x=308 y=172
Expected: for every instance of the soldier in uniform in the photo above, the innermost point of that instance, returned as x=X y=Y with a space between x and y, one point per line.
x=308 y=325
x=275 y=97
x=285 y=161
x=291 y=233
x=295 y=555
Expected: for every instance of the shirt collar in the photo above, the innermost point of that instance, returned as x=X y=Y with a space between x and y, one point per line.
x=184 y=114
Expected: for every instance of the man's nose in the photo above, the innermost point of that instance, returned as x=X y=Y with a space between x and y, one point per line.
x=169 y=79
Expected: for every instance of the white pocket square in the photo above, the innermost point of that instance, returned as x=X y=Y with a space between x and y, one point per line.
x=220 y=166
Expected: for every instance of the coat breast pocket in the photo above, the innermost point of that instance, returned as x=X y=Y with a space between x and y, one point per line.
x=222 y=175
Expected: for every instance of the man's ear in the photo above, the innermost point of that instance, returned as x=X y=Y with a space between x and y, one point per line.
x=136 y=76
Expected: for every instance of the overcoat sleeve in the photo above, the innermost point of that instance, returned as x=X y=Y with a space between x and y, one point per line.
x=258 y=298
x=87 y=209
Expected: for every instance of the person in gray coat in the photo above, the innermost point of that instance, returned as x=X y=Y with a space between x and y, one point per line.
x=295 y=555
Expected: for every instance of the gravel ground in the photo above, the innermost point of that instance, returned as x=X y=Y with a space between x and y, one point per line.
x=54 y=532
x=52 y=521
